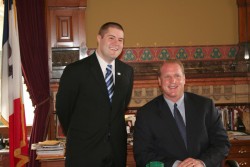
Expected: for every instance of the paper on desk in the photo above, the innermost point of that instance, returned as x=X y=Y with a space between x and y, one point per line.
x=243 y=137
x=49 y=142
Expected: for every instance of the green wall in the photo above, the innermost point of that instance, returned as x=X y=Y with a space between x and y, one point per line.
x=166 y=22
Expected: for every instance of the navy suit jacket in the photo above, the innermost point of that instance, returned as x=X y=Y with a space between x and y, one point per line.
x=94 y=128
x=157 y=138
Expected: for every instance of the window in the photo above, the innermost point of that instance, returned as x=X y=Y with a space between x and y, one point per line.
x=29 y=115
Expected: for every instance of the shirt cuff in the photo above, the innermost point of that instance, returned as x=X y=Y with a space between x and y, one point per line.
x=176 y=163
x=202 y=163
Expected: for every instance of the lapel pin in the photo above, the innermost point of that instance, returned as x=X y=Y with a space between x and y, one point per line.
x=118 y=73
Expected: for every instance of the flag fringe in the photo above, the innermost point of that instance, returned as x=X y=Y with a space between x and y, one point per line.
x=5 y=122
x=23 y=158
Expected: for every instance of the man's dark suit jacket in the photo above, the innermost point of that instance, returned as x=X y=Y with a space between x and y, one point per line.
x=156 y=135
x=94 y=128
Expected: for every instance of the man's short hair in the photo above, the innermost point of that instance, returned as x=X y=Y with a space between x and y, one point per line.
x=104 y=28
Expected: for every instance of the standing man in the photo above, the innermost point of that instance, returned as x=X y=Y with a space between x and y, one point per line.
x=91 y=101
x=178 y=128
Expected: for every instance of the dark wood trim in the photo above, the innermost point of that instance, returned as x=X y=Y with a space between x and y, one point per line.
x=67 y=3
x=4 y=131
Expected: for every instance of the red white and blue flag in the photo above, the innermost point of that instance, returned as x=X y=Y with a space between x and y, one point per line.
x=12 y=108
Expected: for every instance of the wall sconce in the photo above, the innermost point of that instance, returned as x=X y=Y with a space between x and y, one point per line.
x=246 y=56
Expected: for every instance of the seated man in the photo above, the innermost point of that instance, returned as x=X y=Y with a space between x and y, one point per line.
x=178 y=128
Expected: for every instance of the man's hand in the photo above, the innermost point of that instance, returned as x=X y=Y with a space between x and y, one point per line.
x=190 y=162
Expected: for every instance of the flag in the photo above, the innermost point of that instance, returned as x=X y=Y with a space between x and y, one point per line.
x=12 y=108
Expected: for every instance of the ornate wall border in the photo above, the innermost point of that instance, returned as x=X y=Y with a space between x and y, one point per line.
x=156 y=54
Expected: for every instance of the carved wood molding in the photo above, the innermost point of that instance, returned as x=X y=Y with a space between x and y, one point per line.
x=67 y=3
x=243 y=26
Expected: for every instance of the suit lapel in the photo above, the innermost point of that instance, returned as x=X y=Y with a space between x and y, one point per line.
x=98 y=75
x=166 y=114
x=190 y=123
x=119 y=74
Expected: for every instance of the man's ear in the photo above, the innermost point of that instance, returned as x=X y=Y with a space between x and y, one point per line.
x=159 y=81
x=98 y=38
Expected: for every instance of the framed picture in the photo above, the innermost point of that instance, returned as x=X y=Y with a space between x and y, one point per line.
x=130 y=117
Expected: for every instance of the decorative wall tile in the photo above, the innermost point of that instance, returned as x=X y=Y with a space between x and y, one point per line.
x=146 y=55
x=195 y=89
x=228 y=92
x=198 y=53
x=216 y=54
x=232 y=52
x=182 y=54
x=129 y=55
x=217 y=92
x=206 y=90
x=163 y=55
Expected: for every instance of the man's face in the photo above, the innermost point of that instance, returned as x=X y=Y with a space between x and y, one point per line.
x=172 y=81
x=111 y=44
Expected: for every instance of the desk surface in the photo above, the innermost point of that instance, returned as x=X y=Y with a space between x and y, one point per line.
x=4 y=151
x=51 y=162
x=4 y=158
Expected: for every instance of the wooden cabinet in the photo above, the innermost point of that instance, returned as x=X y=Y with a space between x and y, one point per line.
x=240 y=151
x=67 y=27
x=66 y=33
x=60 y=162
x=4 y=158
x=66 y=23
x=130 y=157
x=50 y=163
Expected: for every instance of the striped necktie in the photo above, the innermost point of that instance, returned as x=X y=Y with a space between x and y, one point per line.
x=109 y=81
x=180 y=123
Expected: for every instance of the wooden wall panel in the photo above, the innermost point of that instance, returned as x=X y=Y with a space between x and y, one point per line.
x=64 y=31
x=67 y=27
x=244 y=20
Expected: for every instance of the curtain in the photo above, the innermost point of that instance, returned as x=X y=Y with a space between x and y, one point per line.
x=31 y=18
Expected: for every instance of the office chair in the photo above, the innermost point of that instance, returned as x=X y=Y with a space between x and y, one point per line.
x=231 y=163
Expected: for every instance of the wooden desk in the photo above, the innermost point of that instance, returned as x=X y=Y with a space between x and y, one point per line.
x=240 y=151
x=60 y=162
x=51 y=162
x=4 y=158
x=130 y=157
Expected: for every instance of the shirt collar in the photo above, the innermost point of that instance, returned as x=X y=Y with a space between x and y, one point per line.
x=171 y=103
x=104 y=64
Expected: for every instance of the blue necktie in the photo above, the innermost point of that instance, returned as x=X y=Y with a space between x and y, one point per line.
x=109 y=81
x=180 y=123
